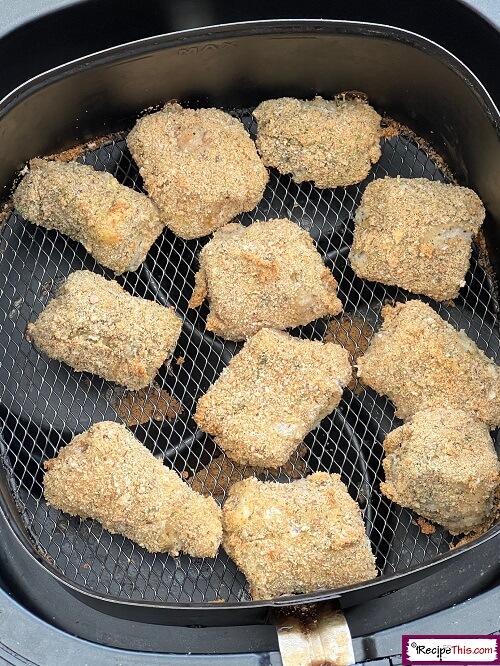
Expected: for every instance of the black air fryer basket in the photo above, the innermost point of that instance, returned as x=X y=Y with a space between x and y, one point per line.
x=441 y=124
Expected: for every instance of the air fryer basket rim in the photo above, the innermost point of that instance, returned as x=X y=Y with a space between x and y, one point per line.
x=295 y=600
x=137 y=48
x=244 y=28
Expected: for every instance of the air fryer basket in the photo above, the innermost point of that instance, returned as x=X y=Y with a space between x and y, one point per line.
x=44 y=404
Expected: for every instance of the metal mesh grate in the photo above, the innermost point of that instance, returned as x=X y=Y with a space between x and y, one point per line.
x=44 y=403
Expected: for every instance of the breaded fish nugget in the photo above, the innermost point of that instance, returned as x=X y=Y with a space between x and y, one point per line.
x=108 y=475
x=331 y=142
x=95 y=326
x=296 y=537
x=419 y=361
x=199 y=166
x=442 y=464
x=116 y=225
x=276 y=390
x=416 y=233
x=266 y=275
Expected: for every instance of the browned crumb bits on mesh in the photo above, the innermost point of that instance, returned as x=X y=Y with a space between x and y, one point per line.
x=425 y=527
x=180 y=360
x=216 y=478
x=390 y=128
x=152 y=402
x=354 y=335
x=74 y=153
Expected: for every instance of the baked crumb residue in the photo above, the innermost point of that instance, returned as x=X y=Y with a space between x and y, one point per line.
x=354 y=335
x=425 y=527
x=77 y=151
x=391 y=128
x=216 y=478
x=152 y=402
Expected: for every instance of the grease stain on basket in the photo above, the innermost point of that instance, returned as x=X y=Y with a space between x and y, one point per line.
x=354 y=335
x=152 y=402
x=216 y=478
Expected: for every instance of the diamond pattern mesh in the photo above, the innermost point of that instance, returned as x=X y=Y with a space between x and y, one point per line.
x=44 y=403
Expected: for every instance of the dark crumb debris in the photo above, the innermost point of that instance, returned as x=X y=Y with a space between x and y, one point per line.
x=216 y=478
x=484 y=260
x=5 y=210
x=152 y=402
x=354 y=335
x=77 y=151
x=352 y=94
x=391 y=128
x=426 y=527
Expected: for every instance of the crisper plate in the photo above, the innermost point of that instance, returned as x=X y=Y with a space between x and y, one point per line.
x=45 y=403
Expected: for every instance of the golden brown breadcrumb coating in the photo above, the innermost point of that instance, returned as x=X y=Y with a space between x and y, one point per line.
x=271 y=395
x=116 y=225
x=95 y=326
x=108 y=475
x=296 y=537
x=199 y=166
x=442 y=464
x=331 y=142
x=419 y=361
x=416 y=233
x=266 y=275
